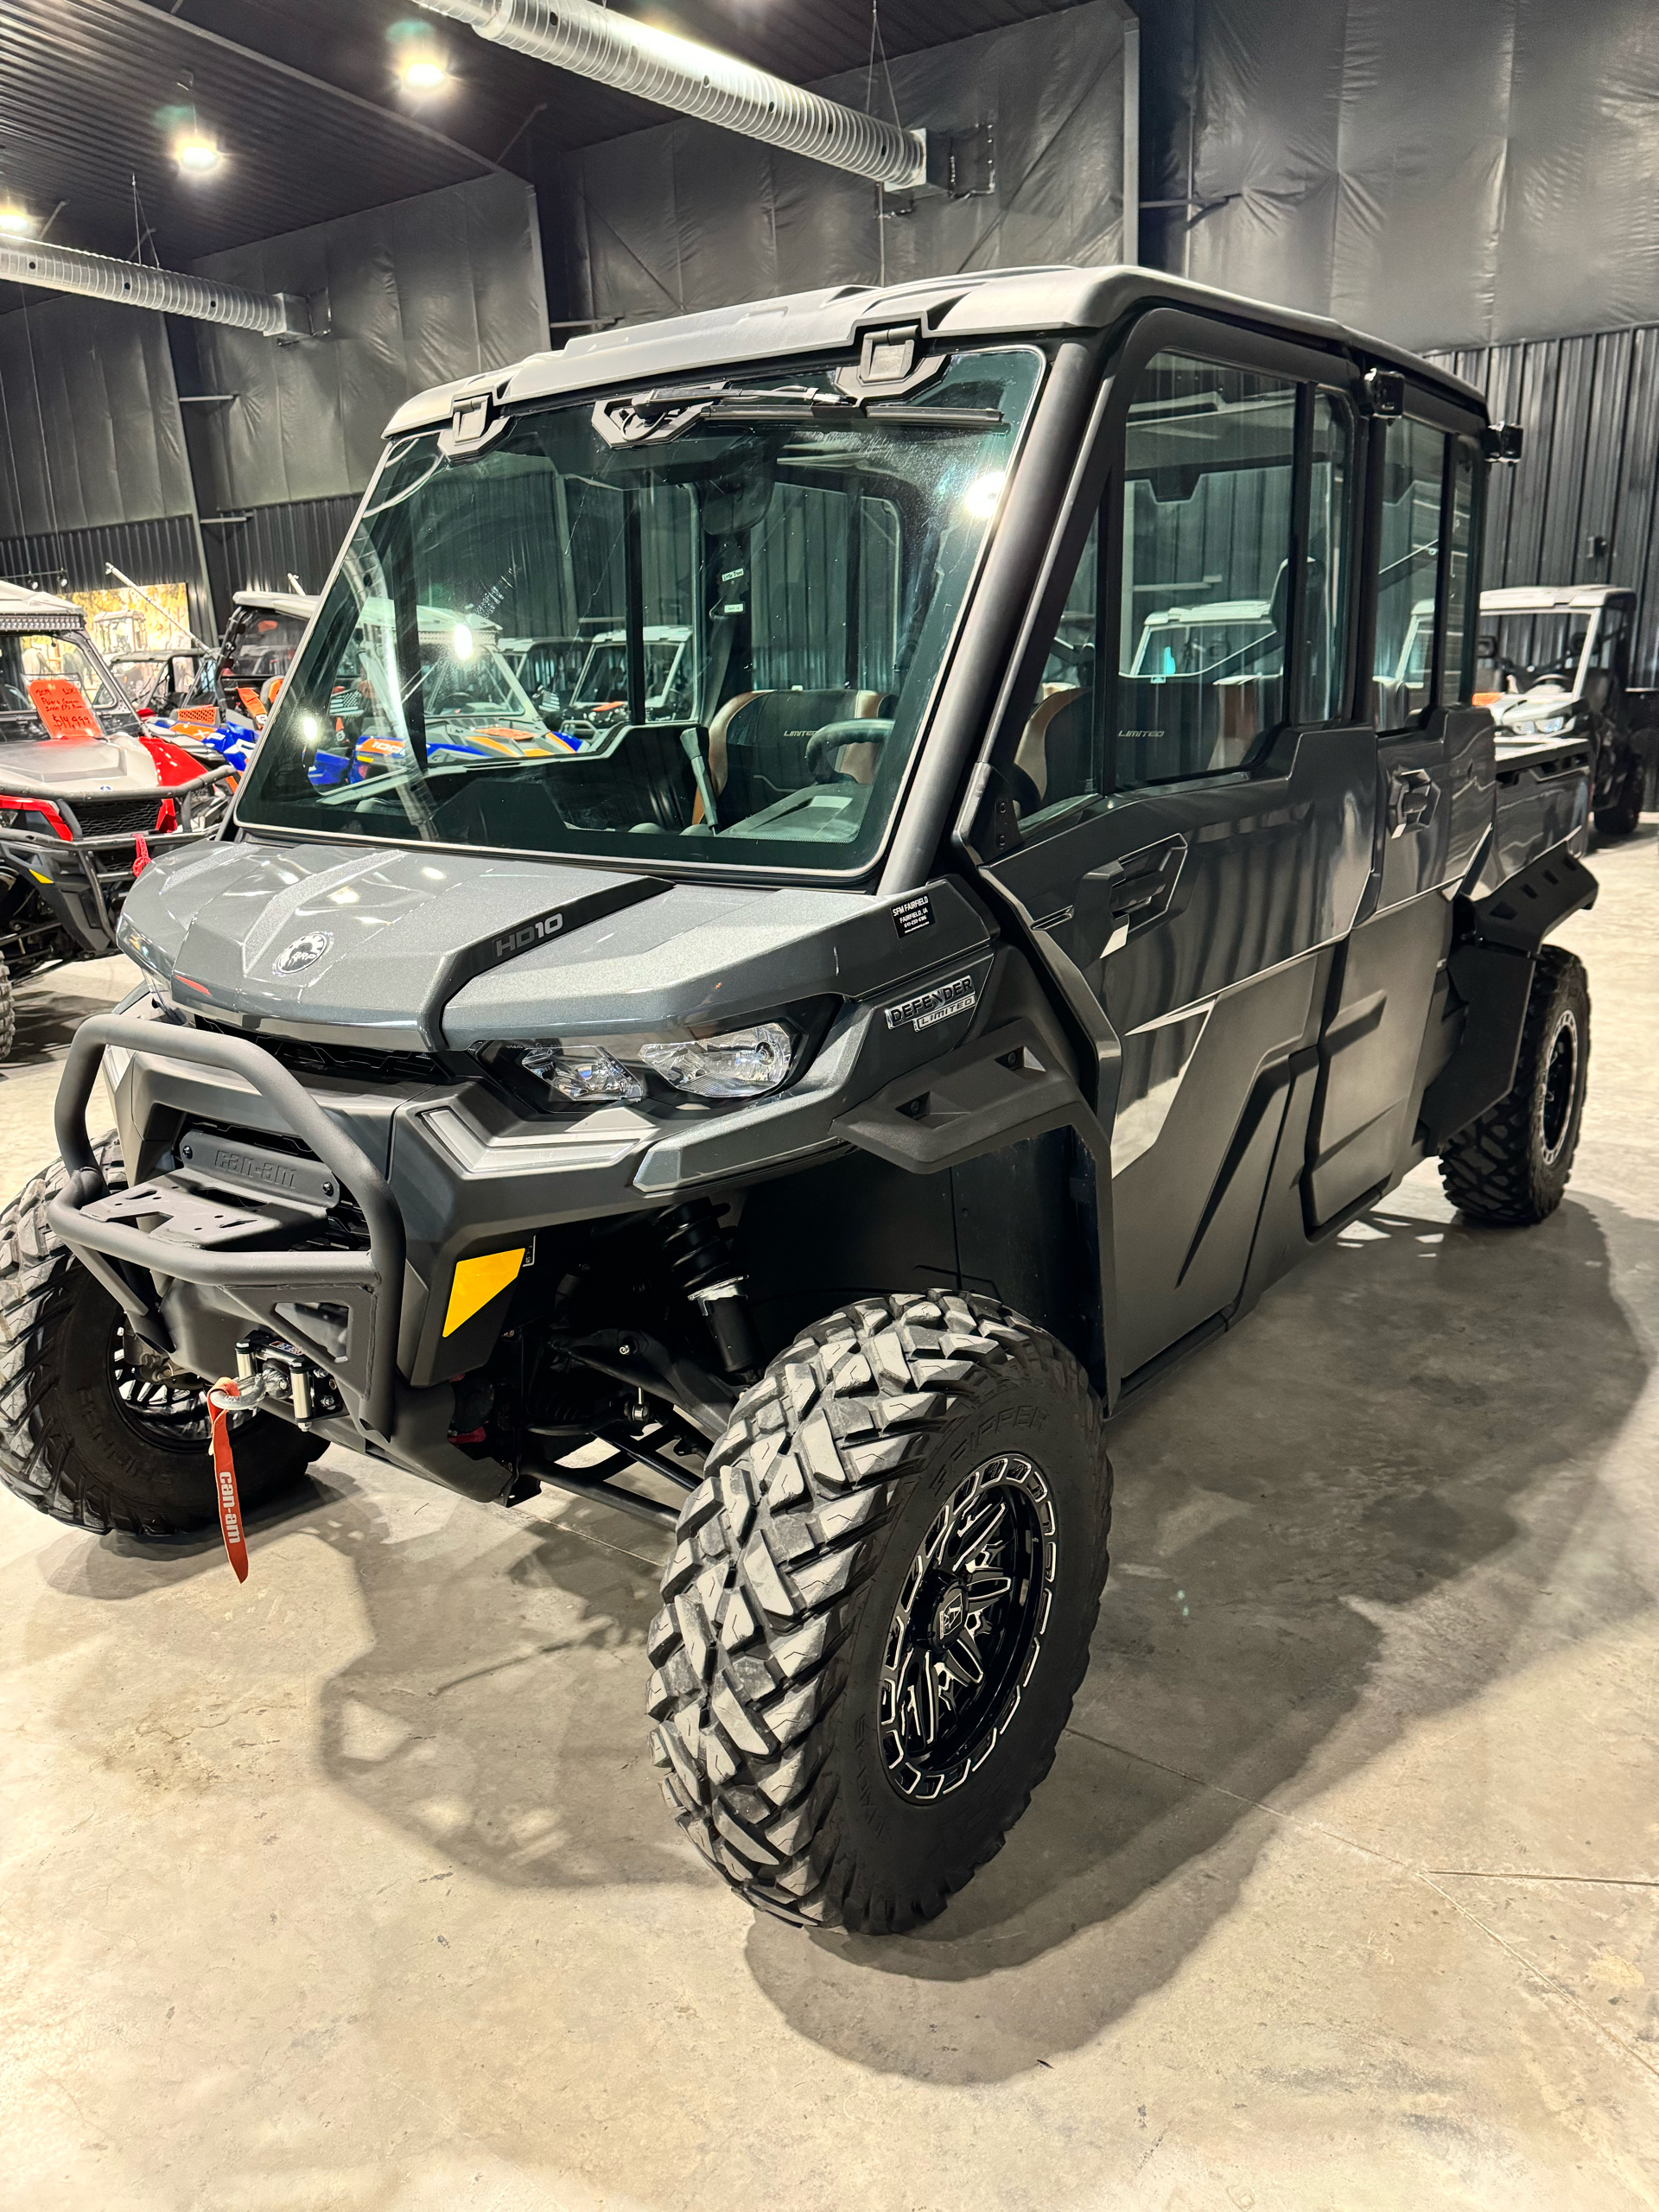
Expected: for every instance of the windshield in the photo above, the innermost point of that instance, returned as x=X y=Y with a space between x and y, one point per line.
x=748 y=614
x=1183 y=642
x=25 y=656
x=264 y=648
x=22 y=657
x=1516 y=651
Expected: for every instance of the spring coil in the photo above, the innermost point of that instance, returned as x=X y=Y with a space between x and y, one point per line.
x=695 y=1247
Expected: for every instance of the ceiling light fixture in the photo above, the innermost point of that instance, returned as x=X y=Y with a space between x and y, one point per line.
x=195 y=152
x=425 y=73
x=15 y=221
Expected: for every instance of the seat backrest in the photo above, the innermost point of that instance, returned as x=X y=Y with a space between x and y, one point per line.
x=758 y=744
x=1031 y=755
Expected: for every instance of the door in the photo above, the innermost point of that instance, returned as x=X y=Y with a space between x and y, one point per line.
x=1184 y=807
x=1434 y=773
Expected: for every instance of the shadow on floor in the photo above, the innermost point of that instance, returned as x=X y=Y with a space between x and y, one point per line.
x=1341 y=1518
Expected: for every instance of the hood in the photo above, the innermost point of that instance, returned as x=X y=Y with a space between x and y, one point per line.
x=1550 y=704
x=68 y=768
x=421 y=948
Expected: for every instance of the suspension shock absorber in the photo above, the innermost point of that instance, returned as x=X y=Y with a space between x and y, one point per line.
x=698 y=1252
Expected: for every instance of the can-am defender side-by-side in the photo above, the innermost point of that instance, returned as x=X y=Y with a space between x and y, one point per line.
x=1555 y=660
x=87 y=796
x=825 y=1106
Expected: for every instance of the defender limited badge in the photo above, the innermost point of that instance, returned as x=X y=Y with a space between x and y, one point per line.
x=958 y=996
x=304 y=953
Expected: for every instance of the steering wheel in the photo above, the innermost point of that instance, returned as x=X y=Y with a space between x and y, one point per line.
x=824 y=744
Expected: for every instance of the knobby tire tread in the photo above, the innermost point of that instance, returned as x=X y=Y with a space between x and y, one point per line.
x=773 y=1548
x=1487 y=1170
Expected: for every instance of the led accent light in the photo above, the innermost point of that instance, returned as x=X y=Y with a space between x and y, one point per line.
x=740 y=1064
x=586 y=1078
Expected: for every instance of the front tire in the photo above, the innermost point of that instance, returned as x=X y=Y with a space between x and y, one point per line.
x=1511 y=1168
x=93 y=1431
x=878 y=1609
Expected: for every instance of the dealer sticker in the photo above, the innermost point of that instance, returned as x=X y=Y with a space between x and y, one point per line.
x=937 y=1005
x=913 y=915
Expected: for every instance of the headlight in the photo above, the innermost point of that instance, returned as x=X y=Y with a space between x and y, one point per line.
x=744 y=1063
x=584 y=1077
x=741 y=1064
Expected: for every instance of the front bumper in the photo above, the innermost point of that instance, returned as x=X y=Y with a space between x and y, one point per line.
x=84 y=882
x=342 y=1306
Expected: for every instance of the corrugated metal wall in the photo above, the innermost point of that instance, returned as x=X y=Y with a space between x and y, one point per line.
x=299 y=538
x=1580 y=505
x=160 y=551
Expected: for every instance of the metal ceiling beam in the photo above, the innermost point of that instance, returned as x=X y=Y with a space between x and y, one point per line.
x=130 y=283
x=633 y=57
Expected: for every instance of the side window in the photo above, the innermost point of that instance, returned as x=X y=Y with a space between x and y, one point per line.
x=1413 y=472
x=1462 y=585
x=1329 y=505
x=1209 y=464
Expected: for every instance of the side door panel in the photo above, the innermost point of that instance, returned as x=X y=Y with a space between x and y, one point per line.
x=1210 y=985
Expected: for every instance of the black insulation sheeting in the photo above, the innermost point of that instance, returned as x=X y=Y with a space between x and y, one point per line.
x=688 y=217
x=1467 y=174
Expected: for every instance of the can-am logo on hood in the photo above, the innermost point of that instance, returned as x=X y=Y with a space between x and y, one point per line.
x=304 y=953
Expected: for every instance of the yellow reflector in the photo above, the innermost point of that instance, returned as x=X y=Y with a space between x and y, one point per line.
x=477 y=1282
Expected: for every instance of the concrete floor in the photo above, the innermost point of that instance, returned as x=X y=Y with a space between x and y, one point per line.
x=352 y=1888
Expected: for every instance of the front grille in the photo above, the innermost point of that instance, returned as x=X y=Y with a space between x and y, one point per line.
x=111 y=817
x=358 y=1063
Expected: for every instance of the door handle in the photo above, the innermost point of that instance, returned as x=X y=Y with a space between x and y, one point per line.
x=1137 y=889
x=1414 y=796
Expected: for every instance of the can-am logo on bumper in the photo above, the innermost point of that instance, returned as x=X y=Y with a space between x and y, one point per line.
x=304 y=953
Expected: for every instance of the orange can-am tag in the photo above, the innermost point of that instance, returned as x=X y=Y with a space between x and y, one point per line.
x=230 y=1505
x=62 y=707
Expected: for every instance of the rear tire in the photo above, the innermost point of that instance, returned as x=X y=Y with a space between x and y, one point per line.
x=1623 y=816
x=880 y=1607
x=1511 y=1168
x=88 y=1436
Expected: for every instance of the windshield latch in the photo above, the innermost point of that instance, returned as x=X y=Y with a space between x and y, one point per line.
x=890 y=362
x=476 y=421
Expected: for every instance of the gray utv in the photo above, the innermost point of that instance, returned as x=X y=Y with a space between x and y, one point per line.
x=825 y=1107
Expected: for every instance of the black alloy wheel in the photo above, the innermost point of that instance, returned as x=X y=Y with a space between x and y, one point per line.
x=967 y=1628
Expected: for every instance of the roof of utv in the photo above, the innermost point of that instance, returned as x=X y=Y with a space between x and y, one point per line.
x=1003 y=303
x=298 y=606
x=1548 y=599
x=23 y=609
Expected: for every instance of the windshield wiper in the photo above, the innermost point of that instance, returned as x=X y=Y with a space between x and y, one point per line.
x=653 y=417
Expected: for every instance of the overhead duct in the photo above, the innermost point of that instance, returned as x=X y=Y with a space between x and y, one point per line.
x=611 y=49
x=130 y=283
